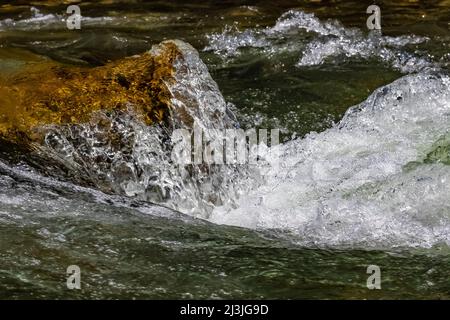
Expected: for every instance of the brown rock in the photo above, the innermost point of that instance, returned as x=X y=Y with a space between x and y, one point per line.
x=51 y=94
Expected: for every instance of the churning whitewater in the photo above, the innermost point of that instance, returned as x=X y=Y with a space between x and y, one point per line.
x=224 y=150
x=317 y=42
x=380 y=178
x=373 y=180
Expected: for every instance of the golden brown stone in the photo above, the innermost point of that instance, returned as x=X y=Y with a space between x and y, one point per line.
x=48 y=93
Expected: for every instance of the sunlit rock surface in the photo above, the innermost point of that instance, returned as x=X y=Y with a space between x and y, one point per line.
x=50 y=94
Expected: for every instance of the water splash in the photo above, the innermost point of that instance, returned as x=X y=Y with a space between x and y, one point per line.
x=353 y=185
x=138 y=161
x=292 y=33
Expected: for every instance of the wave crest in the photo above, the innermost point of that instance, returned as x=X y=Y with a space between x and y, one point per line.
x=330 y=40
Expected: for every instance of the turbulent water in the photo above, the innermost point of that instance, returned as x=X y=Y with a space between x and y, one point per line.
x=362 y=176
x=331 y=40
x=355 y=184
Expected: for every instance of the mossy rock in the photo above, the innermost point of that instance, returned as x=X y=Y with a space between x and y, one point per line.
x=440 y=152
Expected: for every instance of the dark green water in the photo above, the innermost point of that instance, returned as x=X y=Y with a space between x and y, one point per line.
x=130 y=249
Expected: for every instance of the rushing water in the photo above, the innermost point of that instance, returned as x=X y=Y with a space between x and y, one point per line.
x=362 y=176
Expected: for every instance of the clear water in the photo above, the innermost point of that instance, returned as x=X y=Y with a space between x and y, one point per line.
x=355 y=186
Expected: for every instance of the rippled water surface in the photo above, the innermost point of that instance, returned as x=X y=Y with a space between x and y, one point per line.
x=363 y=177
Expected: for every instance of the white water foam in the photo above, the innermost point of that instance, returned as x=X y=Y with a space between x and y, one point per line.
x=351 y=186
x=331 y=41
